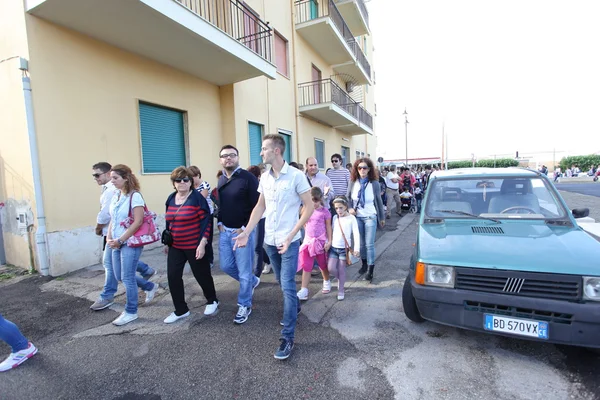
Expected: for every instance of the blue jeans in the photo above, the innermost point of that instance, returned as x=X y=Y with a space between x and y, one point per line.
x=12 y=335
x=238 y=264
x=367 y=226
x=110 y=282
x=285 y=266
x=123 y=263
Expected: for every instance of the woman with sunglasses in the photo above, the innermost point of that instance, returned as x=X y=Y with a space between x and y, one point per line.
x=189 y=220
x=364 y=193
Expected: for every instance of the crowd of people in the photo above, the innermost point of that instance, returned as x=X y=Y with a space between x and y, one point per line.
x=289 y=219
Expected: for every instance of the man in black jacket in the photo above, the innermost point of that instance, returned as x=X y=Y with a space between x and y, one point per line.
x=238 y=194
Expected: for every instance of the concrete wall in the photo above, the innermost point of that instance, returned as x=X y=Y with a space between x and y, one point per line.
x=86 y=96
x=16 y=179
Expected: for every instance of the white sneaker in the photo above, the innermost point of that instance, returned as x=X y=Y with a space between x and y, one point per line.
x=173 y=317
x=125 y=318
x=150 y=293
x=267 y=269
x=18 y=358
x=211 y=308
x=303 y=294
x=326 y=287
x=340 y=296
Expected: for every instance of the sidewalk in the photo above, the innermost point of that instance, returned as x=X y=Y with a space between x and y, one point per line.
x=590 y=224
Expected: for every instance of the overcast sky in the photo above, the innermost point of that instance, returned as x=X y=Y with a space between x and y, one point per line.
x=501 y=75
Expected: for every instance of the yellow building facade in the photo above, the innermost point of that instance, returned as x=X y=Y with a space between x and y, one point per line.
x=159 y=83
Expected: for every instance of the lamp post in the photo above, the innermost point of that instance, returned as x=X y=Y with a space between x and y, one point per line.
x=406 y=136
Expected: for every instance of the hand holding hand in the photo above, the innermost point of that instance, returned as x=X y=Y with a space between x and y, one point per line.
x=327 y=246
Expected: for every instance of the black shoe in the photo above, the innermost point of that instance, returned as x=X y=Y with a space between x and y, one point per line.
x=369 y=276
x=285 y=349
x=363 y=269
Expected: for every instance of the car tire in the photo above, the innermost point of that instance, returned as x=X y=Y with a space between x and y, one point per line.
x=409 y=304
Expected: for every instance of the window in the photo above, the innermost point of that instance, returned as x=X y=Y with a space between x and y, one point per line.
x=287 y=138
x=320 y=152
x=345 y=155
x=357 y=155
x=281 y=54
x=255 y=134
x=163 y=138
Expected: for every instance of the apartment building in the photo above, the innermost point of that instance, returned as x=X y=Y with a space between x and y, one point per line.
x=155 y=84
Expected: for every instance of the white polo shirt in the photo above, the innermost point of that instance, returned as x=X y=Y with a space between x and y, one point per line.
x=282 y=200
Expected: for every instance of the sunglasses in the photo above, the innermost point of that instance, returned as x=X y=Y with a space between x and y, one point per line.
x=228 y=155
x=361 y=167
x=184 y=180
x=98 y=175
x=335 y=161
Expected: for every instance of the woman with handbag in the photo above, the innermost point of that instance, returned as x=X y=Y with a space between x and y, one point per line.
x=345 y=230
x=124 y=241
x=188 y=238
x=364 y=192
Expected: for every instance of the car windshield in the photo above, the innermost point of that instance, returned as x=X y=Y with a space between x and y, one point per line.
x=504 y=198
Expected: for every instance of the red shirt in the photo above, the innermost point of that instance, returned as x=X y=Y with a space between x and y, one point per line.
x=191 y=224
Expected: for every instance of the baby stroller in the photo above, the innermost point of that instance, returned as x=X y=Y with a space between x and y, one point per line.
x=408 y=203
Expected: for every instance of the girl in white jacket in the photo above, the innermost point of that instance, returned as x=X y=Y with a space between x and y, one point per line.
x=345 y=233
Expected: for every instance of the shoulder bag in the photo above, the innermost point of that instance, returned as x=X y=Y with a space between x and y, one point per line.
x=147 y=232
x=350 y=259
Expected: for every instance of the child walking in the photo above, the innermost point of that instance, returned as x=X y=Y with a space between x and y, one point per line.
x=316 y=244
x=345 y=232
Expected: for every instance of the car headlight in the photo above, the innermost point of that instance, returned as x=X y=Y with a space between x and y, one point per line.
x=591 y=288
x=439 y=275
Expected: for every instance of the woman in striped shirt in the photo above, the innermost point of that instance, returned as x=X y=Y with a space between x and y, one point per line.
x=188 y=217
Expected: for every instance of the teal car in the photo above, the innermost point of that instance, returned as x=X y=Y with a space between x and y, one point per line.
x=499 y=251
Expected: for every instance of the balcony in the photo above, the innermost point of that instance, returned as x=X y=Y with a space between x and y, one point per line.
x=220 y=41
x=356 y=16
x=324 y=28
x=325 y=101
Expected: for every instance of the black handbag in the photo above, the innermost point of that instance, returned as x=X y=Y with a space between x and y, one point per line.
x=167 y=236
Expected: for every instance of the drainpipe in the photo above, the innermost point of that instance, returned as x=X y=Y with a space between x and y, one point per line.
x=40 y=234
x=296 y=110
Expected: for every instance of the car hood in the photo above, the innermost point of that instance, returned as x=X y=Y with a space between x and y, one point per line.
x=523 y=246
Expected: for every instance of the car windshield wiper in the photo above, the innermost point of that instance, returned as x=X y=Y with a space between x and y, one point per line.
x=468 y=215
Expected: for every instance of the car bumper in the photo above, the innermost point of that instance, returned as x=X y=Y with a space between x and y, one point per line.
x=569 y=323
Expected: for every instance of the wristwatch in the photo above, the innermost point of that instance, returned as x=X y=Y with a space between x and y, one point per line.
x=120 y=242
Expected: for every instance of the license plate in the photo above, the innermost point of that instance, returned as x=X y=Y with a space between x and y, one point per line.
x=516 y=326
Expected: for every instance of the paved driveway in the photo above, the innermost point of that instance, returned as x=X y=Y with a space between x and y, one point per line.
x=590 y=189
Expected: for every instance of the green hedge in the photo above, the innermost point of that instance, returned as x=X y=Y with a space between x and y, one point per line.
x=583 y=162
x=498 y=163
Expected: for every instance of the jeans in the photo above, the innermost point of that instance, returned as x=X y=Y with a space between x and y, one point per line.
x=110 y=283
x=120 y=265
x=238 y=264
x=285 y=266
x=200 y=268
x=261 y=254
x=12 y=335
x=367 y=226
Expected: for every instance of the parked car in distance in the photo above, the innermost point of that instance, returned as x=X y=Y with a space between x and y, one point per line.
x=498 y=251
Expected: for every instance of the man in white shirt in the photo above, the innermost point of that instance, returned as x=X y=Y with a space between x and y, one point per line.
x=102 y=177
x=391 y=181
x=320 y=180
x=282 y=191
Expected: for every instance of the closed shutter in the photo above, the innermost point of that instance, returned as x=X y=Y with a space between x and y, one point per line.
x=255 y=141
x=320 y=152
x=288 y=148
x=163 y=139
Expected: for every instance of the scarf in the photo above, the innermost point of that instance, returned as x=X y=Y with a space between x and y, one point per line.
x=361 y=192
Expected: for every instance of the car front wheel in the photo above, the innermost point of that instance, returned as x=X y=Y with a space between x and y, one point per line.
x=409 y=304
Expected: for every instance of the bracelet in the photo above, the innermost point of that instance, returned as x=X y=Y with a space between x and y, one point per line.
x=120 y=242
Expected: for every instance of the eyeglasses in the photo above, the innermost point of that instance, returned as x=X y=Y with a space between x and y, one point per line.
x=184 y=180
x=315 y=200
x=98 y=175
x=335 y=161
x=361 y=167
x=229 y=155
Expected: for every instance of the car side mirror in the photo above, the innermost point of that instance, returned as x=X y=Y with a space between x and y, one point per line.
x=581 y=212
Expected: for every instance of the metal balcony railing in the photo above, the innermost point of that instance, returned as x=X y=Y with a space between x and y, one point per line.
x=236 y=20
x=363 y=9
x=307 y=10
x=327 y=91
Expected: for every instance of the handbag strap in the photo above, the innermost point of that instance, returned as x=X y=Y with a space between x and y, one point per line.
x=182 y=204
x=343 y=235
x=131 y=200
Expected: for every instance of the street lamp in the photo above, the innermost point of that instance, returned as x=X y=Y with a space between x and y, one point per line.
x=406 y=135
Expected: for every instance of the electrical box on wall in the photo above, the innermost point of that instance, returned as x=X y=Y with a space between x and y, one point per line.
x=24 y=218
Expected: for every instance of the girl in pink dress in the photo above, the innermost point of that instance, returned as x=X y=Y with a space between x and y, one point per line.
x=316 y=244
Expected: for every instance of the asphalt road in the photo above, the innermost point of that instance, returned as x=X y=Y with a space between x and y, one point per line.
x=361 y=348
x=590 y=189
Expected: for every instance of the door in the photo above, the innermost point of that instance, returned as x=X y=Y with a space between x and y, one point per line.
x=345 y=156
x=316 y=77
x=287 y=138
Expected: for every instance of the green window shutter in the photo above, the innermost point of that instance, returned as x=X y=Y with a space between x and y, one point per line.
x=163 y=139
x=255 y=141
x=320 y=152
x=287 y=155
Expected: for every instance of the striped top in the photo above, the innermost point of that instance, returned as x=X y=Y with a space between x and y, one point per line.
x=339 y=180
x=192 y=222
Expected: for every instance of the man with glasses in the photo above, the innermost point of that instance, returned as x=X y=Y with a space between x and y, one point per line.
x=339 y=176
x=101 y=174
x=238 y=194
x=319 y=179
